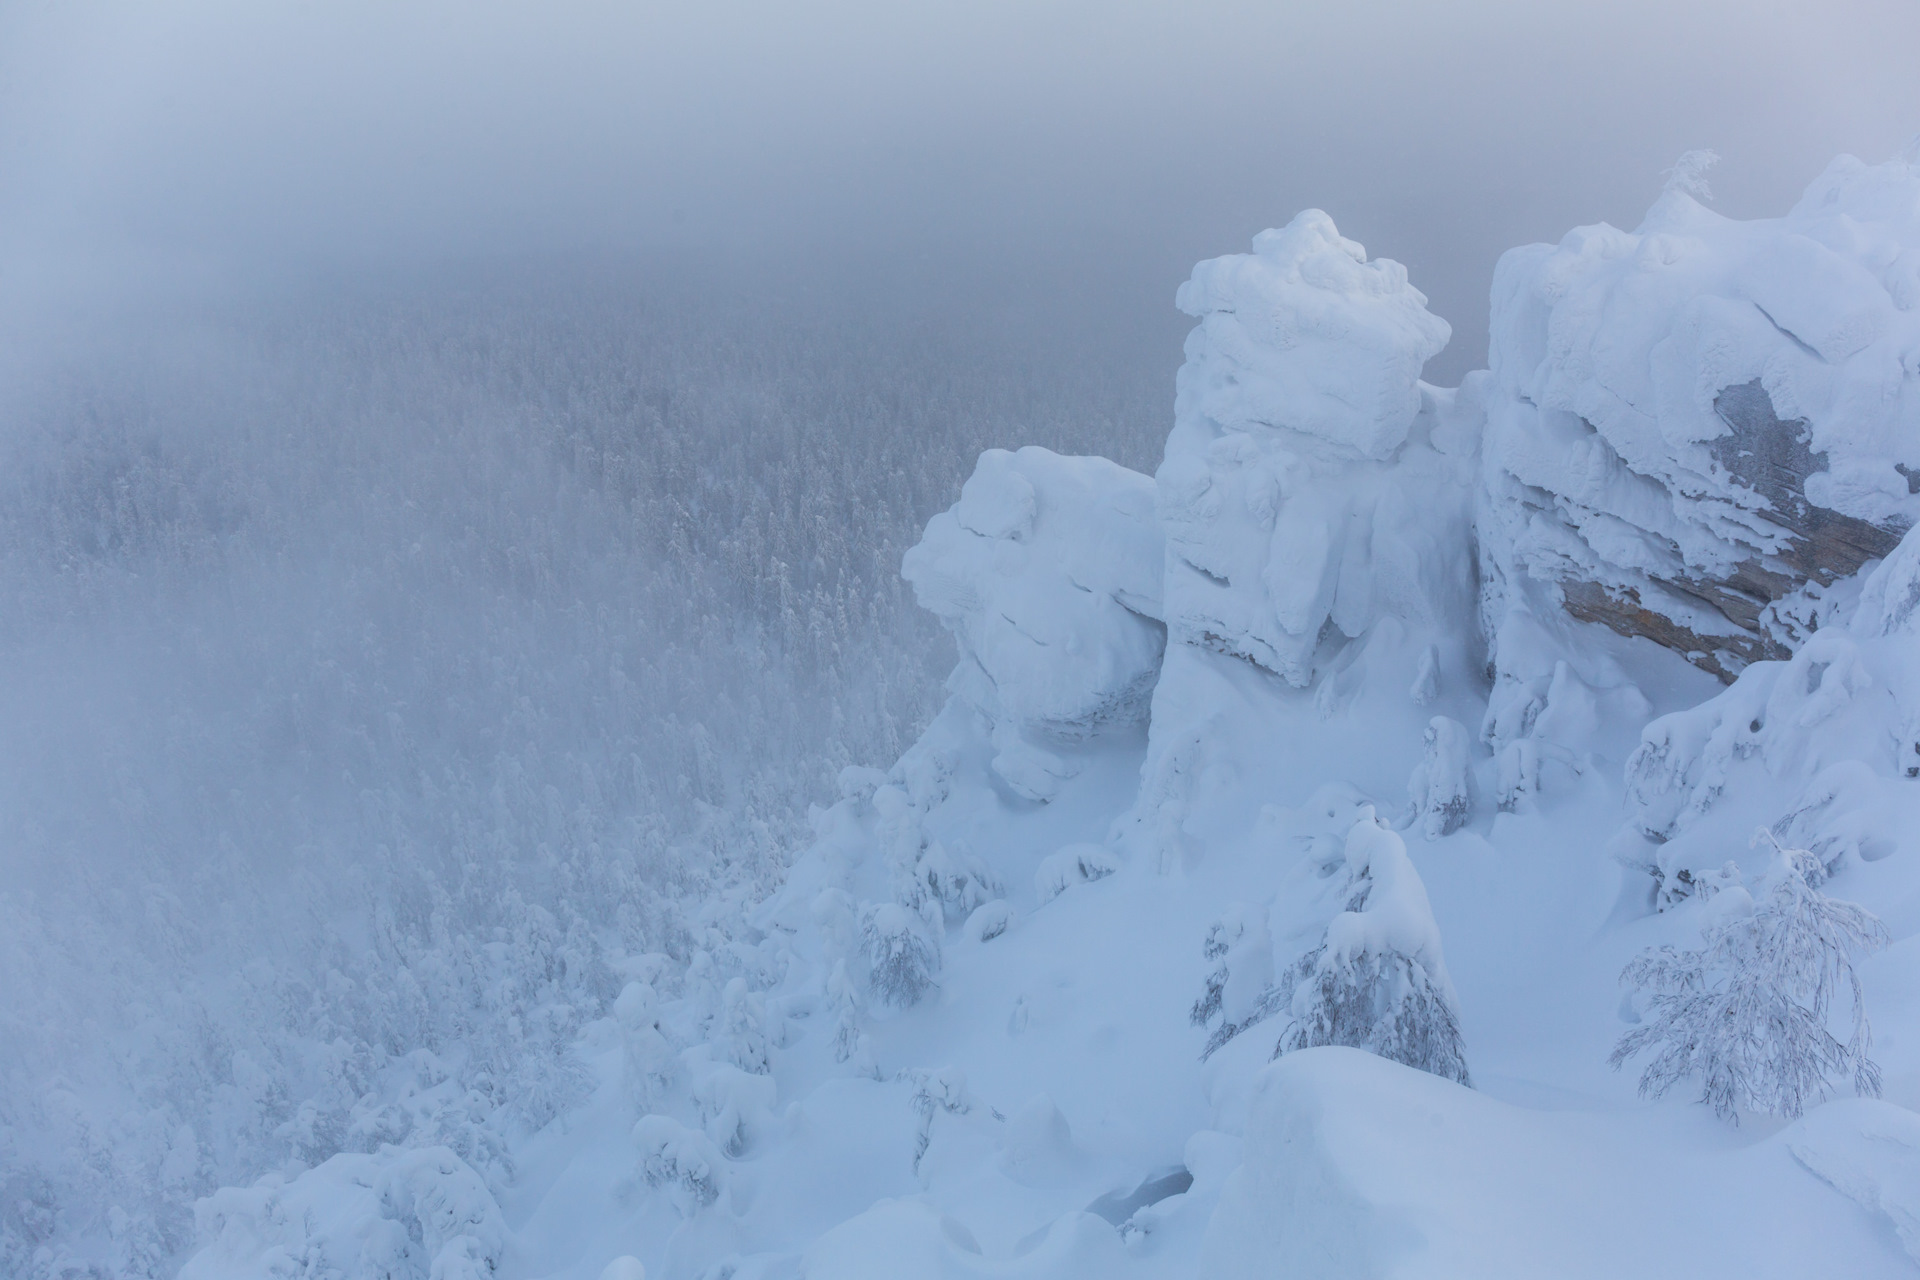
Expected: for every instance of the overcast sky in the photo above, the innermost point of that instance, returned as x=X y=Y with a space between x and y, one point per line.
x=1063 y=159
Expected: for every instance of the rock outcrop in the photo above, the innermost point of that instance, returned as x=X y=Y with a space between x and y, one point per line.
x=1695 y=428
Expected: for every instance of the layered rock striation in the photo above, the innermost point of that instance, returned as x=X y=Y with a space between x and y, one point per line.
x=1696 y=428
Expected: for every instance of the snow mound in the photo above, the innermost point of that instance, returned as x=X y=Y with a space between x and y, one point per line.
x=1870 y=1152
x=1696 y=427
x=1047 y=571
x=409 y=1215
x=1358 y=1168
x=907 y=1240
x=1301 y=483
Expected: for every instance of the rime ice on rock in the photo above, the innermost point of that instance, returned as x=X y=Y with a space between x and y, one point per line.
x=1317 y=501
x=1047 y=571
x=1698 y=426
x=1289 y=493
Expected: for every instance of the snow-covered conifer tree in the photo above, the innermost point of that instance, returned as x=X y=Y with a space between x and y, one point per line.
x=742 y=1028
x=901 y=956
x=1378 y=981
x=646 y=1053
x=1748 y=1012
x=850 y=1044
x=1442 y=796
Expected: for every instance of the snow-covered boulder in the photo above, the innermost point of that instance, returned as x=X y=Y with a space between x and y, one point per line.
x=1697 y=427
x=1301 y=483
x=1047 y=571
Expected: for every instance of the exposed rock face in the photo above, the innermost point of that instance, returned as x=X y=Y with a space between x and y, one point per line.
x=1771 y=459
x=1695 y=428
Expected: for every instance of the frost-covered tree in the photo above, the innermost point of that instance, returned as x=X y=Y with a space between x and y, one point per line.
x=646 y=1057
x=1378 y=981
x=685 y=1162
x=902 y=957
x=742 y=1033
x=1748 y=1013
x=1240 y=991
x=850 y=1044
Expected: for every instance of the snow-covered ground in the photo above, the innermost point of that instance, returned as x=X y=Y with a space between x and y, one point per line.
x=1295 y=747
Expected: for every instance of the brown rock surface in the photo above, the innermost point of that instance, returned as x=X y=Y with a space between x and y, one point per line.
x=1771 y=458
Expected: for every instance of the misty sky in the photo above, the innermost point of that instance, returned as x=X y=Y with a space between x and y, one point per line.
x=1061 y=163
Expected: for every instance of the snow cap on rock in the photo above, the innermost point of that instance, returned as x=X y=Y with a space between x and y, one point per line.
x=1306 y=333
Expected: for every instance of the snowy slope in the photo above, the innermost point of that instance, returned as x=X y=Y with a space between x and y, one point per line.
x=1017 y=1010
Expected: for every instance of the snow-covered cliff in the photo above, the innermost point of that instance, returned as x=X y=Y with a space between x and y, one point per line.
x=1344 y=762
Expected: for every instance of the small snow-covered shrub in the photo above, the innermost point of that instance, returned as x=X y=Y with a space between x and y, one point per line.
x=850 y=1044
x=683 y=1161
x=1072 y=865
x=646 y=1055
x=1442 y=798
x=741 y=1033
x=989 y=921
x=1378 y=981
x=937 y=1091
x=902 y=958
x=957 y=881
x=1240 y=991
x=1748 y=1012
x=732 y=1103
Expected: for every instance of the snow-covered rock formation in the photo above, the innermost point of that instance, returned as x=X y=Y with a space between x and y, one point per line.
x=1317 y=500
x=1166 y=949
x=1047 y=572
x=1822 y=747
x=1696 y=429
x=1303 y=485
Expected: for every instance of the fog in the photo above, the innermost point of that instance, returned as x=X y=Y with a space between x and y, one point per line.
x=455 y=461
x=1064 y=160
